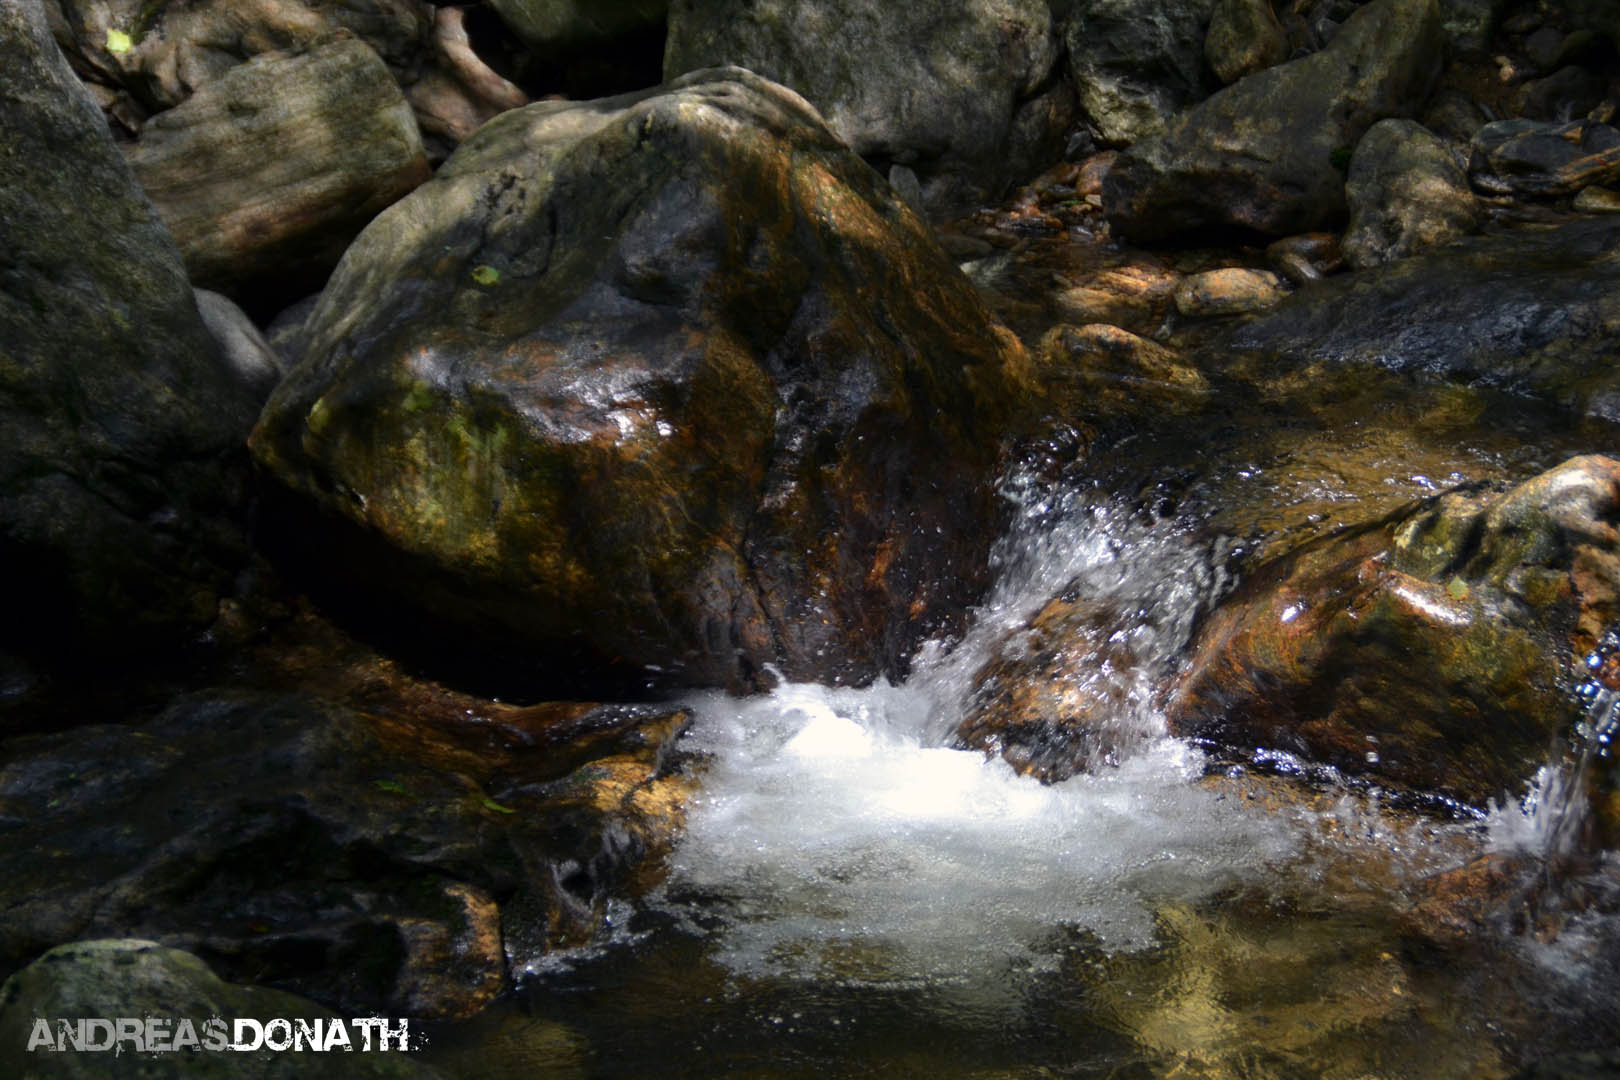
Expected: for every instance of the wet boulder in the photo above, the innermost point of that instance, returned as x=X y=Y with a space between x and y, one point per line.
x=670 y=386
x=112 y=978
x=1531 y=312
x=1262 y=154
x=268 y=171
x=1435 y=651
x=1136 y=66
x=969 y=97
x=120 y=426
x=1062 y=695
x=386 y=859
x=1406 y=192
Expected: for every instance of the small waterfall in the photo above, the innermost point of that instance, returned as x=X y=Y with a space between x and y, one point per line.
x=838 y=835
x=1551 y=819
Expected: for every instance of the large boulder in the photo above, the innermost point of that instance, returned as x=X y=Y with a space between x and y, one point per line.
x=1136 y=66
x=1264 y=153
x=1436 y=651
x=1531 y=312
x=670 y=384
x=969 y=96
x=108 y=979
x=271 y=169
x=119 y=423
x=1407 y=192
x=405 y=858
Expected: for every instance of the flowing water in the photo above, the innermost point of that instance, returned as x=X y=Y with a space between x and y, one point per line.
x=854 y=897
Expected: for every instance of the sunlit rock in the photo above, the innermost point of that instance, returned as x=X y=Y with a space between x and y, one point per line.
x=1234 y=290
x=670 y=386
x=1406 y=192
x=268 y=171
x=1437 y=650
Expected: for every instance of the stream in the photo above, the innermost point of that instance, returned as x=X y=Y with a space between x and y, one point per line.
x=854 y=897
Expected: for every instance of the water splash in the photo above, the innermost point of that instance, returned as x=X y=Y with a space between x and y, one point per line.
x=838 y=836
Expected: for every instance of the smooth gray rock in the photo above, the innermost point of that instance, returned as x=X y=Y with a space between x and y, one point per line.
x=1137 y=65
x=968 y=95
x=1406 y=192
x=1261 y=154
x=120 y=429
x=248 y=356
x=270 y=169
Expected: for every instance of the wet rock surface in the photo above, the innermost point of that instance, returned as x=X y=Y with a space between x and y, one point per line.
x=1528 y=311
x=680 y=424
x=120 y=425
x=398 y=854
x=1434 y=651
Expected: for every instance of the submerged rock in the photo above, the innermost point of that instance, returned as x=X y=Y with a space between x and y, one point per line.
x=140 y=979
x=389 y=859
x=1432 y=651
x=1261 y=153
x=670 y=384
x=268 y=171
x=1137 y=65
x=1531 y=312
x=969 y=97
x=1406 y=192
x=119 y=424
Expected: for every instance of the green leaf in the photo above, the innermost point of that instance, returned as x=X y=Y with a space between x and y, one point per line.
x=486 y=275
x=491 y=804
x=118 y=42
x=1458 y=588
x=391 y=785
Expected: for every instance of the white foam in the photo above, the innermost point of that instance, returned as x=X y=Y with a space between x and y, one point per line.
x=840 y=838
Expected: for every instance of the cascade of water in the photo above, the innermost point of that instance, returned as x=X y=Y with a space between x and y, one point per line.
x=837 y=833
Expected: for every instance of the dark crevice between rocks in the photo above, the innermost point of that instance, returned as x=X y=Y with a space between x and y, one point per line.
x=630 y=61
x=319 y=554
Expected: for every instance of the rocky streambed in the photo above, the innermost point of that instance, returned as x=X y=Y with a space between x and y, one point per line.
x=1033 y=540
